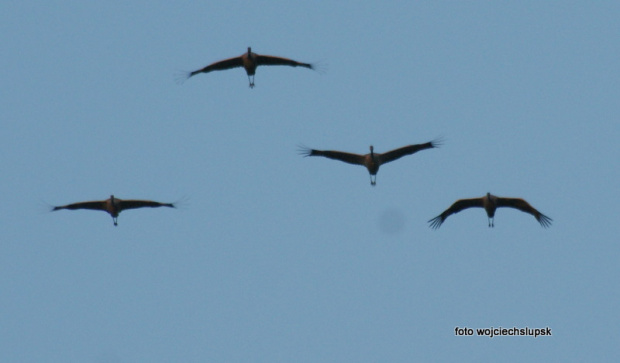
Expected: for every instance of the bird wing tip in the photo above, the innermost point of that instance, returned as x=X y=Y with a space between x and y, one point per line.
x=320 y=67
x=181 y=76
x=435 y=223
x=304 y=150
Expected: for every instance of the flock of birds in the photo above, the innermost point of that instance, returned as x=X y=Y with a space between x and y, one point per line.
x=372 y=161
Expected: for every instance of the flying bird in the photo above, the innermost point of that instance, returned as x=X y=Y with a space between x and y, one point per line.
x=371 y=161
x=114 y=206
x=249 y=61
x=490 y=203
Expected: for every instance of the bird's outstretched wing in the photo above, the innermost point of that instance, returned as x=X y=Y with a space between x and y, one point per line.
x=95 y=205
x=407 y=150
x=336 y=155
x=456 y=207
x=524 y=206
x=133 y=203
x=268 y=60
x=219 y=66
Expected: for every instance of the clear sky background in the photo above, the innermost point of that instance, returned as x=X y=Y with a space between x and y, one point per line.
x=272 y=257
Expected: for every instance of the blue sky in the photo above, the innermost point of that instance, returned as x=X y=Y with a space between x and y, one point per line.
x=272 y=257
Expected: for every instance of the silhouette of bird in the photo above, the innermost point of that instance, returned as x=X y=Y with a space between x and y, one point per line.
x=371 y=161
x=249 y=61
x=490 y=203
x=114 y=206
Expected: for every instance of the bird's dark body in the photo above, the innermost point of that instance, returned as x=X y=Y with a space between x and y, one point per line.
x=250 y=61
x=490 y=203
x=372 y=161
x=114 y=206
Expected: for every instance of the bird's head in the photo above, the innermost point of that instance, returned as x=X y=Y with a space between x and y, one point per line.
x=249 y=50
x=372 y=150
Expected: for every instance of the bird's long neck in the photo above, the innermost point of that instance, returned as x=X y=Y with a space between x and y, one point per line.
x=491 y=200
x=249 y=51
